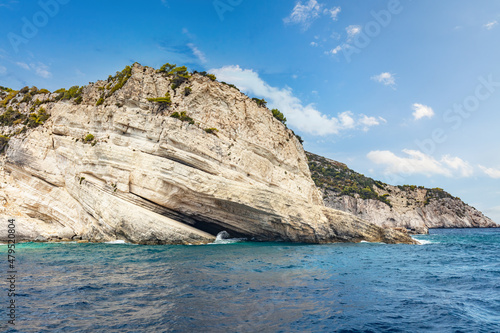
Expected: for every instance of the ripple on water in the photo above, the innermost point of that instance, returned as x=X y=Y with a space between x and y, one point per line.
x=450 y=284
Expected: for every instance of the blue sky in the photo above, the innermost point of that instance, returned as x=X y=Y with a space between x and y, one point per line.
x=403 y=91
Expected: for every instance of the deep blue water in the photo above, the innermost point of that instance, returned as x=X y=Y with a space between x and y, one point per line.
x=451 y=284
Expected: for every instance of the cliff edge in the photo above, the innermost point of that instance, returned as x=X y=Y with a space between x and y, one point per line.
x=409 y=207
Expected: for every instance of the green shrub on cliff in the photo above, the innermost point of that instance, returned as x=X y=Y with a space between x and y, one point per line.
x=337 y=177
x=167 y=101
x=260 y=102
x=211 y=130
x=166 y=68
x=4 y=140
x=38 y=118
x=27 y=98
x=11 y=116
x=43 y=91
x=187 y=91
x=100 y=101
x=278 y=115
x=437 y=193
x=73 y=92
x=182 y=117
x=177 y=75
x=6 y=89
x=88 y=138
x=8 y=98
x=121 y=78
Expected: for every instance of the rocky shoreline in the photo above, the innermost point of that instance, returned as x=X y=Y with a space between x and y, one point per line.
x=162 y=157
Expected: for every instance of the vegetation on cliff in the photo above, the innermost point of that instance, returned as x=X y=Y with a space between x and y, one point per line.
x=338 y=178
x=21 y=109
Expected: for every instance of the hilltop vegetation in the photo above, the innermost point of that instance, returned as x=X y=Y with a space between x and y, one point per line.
x=338 y=178
x=23 y=109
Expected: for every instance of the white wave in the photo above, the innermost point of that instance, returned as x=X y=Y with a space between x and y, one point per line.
x=424 y=241
x=228 y=241
x=223 y=237
x=118 y=241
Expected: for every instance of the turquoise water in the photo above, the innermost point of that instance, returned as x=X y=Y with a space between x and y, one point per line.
x=450 y=284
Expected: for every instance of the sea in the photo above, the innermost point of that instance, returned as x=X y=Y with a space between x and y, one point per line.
x=450 y=283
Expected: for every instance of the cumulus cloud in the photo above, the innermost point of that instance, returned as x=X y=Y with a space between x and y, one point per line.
x=352 y=31
x=385 y=78
x=314 y=44
x=367 y=122
x=416 y=162
x=306 y=13
x=200 y=55
x=334 y=12
x=490 y=25
x=305 y=118
x=491 y=172
x=346 y=120
x=422 y=111
x=463 y=168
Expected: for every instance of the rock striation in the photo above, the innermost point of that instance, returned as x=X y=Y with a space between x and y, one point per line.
x=413 y=208
x=149 y=158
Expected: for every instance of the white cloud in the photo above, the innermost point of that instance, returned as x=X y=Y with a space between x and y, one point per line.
x=42 y=70
x=335 y=50
x=39 y=68
x=3 y=70
x=385 y=78
x=368 y=122
x=23 y=65
x=200 y=55
x=334 y=12
x=314 y=44
x=346 y=120
x=352 y=31
x=305 y=118
x=421 y=111
x=490 y=25
x=493 y=173
x=459 y=165
x=306 y=13
x=417 y=162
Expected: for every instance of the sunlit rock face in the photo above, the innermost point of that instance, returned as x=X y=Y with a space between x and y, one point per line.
x=126 y=169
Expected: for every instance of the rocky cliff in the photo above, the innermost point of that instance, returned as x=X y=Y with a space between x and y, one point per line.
x=157 y=157
x=408 y=207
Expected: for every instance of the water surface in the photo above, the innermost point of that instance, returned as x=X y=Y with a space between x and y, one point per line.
x=450 y=284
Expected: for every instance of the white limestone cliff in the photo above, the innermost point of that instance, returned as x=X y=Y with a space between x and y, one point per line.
x=125 y=169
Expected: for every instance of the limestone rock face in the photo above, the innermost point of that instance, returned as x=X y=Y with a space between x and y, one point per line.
x=146 y=177
x=407 y=207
